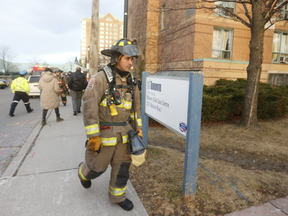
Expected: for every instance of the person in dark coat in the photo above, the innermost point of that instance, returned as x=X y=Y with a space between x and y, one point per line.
x=77 y=83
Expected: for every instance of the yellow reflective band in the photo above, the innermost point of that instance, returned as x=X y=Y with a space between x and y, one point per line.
x=91 y=129
x=104 y=103
x=139 y=122
x=132 y=115
x=121 y=43
x=125 y=138
x=129 y=42
x=80 y=173
x=116 y=191
x=128 y=105
x=112 y=141
x=125 y=104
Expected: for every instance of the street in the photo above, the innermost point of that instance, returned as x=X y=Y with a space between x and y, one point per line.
x=15 y=130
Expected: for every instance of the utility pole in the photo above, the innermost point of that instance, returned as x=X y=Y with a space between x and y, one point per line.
x=125 y=18
x=93 y=61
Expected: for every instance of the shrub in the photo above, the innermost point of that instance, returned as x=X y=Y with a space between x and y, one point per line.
x=226 y=99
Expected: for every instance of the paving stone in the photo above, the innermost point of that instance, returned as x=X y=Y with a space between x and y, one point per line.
x=280 y=203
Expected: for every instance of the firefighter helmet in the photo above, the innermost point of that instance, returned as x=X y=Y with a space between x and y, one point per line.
x=126 y=47
x=23 y=72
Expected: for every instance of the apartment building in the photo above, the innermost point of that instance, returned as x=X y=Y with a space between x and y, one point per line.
x=177 y=37
x=110 y=30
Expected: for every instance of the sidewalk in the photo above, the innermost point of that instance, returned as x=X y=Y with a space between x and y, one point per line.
x=42 y=179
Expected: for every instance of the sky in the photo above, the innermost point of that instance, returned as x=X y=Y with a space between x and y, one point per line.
x=47 y=30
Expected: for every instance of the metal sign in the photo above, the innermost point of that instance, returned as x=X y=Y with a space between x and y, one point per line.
x=167 y=102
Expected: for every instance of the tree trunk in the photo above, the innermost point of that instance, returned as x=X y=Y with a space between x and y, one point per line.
x=249 y=114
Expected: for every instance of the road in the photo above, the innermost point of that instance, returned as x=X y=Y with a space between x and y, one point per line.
x=14 y=131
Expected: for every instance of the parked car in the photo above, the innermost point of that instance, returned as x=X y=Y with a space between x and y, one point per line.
x=34 y=82
x=3 y=83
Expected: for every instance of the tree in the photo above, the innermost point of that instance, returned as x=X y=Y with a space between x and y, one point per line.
x=258 y=16
x=258 y=13
x=6 y=57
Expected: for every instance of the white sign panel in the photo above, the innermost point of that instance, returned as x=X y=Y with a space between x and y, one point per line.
x=167 y=102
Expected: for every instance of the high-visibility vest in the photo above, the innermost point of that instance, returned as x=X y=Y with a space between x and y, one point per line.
x=20 y=85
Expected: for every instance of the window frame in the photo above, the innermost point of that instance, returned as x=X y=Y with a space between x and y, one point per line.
x=220 y=10
x=230 y=43
x=279 y=52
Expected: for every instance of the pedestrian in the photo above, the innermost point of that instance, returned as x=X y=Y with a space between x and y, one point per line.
x=68 y=77
x=108 y=101
x=63 y=84
x=77 y=83
x=20 y=87
x=49 y=98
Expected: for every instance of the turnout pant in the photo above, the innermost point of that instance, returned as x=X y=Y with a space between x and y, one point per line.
x=76 y=100
x=119 y=158
x=17 y=97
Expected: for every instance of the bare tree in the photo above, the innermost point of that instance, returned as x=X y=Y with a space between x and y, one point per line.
x=258 y=16
x=6 y=57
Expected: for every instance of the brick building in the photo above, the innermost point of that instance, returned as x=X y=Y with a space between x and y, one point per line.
x=185 y=38
x=110 y=30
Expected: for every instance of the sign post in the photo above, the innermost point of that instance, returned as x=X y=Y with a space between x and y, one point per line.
x=193 y=136
x=176 y=103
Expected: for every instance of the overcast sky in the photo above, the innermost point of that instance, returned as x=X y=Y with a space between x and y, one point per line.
x=47 y=30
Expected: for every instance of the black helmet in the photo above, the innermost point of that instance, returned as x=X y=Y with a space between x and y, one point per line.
x=57 y=70
x=126 y=47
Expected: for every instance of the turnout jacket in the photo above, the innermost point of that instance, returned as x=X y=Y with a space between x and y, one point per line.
x=96 y=110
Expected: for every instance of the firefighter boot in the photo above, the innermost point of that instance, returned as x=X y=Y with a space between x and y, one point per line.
x=85 y=183
x=126 y=205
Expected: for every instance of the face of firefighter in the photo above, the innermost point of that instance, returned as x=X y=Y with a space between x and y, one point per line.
x=125 y=63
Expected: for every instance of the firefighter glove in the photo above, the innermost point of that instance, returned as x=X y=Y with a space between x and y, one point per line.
x=95 y=144
x=140 y=133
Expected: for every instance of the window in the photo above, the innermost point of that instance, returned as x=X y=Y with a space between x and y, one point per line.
x=280 y=47
x=222 y=8
x=222 y=43
x=101 y=32
x=162 y=17
x=101 y=28
x=283 y=12
x=101 y=24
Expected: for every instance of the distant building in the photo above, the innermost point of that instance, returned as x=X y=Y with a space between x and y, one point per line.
x=110 y=30
x=208 y=41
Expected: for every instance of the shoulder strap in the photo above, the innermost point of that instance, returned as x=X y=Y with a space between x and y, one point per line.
x=109 y=75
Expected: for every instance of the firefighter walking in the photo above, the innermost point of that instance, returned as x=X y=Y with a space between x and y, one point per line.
x=20 y=87
x=63 y=84
x=108 y=112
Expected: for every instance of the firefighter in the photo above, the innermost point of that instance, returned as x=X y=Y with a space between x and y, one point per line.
x=63 y=84
x=107 y=112
x=20 y=87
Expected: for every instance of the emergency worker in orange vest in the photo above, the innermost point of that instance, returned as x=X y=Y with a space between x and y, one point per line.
x=108 y=117
x=63 y=84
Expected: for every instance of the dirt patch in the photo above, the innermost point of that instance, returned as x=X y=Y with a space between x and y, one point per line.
x=238 y=168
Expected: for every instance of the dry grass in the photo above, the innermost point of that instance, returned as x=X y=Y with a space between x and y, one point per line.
x=238 y=168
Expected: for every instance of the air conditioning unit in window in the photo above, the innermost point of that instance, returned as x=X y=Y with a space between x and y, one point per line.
x=284 y=59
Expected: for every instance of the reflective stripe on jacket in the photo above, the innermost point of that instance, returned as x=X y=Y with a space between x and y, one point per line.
x=20 y=84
